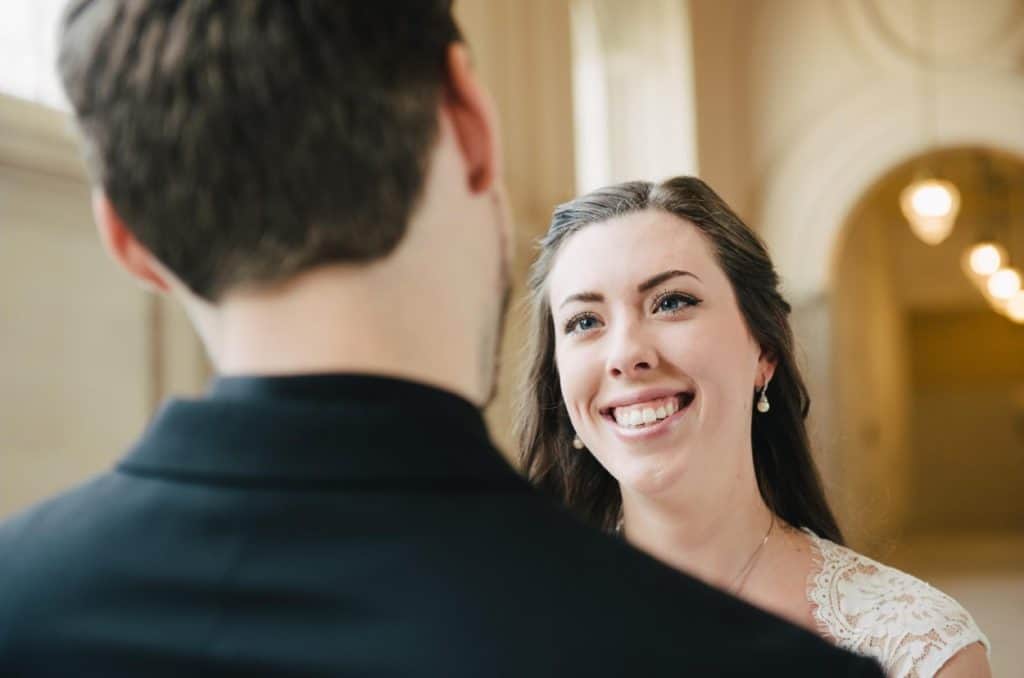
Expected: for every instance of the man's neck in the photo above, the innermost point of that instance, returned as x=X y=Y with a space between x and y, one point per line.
x=333 y=320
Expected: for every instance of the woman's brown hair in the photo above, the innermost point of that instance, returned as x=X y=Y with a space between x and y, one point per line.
x=786 y=475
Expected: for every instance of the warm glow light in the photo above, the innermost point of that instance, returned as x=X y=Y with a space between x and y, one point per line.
x=931 y=200
x=986 y=258
x=931 y=207
x=1004 y=284
x=1015 y=308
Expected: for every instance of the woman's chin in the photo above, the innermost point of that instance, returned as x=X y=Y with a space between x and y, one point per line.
x=651 y=475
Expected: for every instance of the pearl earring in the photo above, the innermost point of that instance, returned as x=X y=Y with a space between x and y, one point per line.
x=762 y=403
x=577 y=443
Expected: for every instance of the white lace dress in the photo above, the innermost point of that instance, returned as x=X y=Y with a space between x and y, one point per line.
x=911 y=628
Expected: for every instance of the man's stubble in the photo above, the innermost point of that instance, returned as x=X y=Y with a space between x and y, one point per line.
x=493 y=331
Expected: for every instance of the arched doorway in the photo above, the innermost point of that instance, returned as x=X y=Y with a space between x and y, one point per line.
x=927 y=400
x=929 y=423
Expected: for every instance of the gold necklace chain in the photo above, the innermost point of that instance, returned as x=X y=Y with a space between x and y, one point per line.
x=741 y=578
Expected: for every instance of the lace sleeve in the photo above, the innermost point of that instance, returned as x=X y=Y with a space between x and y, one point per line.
x=911 y=628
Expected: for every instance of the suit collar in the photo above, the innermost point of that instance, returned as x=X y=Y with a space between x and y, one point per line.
x=321 y=430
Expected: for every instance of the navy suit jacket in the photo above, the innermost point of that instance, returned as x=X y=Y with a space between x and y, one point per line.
x=349 y=525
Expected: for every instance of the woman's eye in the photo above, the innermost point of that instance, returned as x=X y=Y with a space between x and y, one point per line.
x=673 y=302
x=581 y=323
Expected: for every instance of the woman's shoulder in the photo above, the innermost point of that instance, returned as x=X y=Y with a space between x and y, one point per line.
x=911 y=627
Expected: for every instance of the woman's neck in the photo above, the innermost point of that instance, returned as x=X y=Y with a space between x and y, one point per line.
x=712 y=535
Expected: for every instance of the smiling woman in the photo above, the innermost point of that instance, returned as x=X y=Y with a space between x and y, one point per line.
x=682 y=215
x=658 y=327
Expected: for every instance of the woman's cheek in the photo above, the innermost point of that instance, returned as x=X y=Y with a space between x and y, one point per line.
x=577 y=382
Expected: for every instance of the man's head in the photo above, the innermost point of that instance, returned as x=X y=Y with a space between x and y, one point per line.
x=245 y=141
x=240 y=144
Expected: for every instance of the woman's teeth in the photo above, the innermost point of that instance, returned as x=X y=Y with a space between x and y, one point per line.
x=644 y=414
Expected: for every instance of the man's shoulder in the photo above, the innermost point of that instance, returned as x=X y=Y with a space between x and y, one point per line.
x=37 y=533
x=511 y=563
x=42 y=550
x=598 y=590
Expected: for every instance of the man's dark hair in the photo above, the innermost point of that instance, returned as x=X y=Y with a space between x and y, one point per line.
x=245 y=141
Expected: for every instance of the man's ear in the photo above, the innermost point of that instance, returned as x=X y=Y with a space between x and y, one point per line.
x=124 y=248
x=474 y=118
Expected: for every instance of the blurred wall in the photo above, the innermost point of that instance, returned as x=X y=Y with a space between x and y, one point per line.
x=967 y=418
x=632 y=91
x=722 y=76
x=870 y=437
x=85 y=355
x=524 y=55
x=929 y=421
x=73 y=392
x=802 y=106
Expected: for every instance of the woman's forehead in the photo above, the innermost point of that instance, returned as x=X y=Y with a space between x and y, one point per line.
x=622 y=251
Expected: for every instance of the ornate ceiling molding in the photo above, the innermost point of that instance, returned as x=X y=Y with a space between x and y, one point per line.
x=890 y=31
x=810 y=194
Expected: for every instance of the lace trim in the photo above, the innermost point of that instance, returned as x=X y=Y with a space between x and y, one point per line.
x=911 y=628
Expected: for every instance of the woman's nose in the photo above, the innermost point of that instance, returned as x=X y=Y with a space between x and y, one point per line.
x=632 y=354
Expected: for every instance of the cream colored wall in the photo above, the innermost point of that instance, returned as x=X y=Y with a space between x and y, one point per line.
x=956 y=517
x=871 y=407
x=943 y=385
x=633 y=91
x=801 y=107
x=68 y=406
x=64 y=411
x=722 y=77
x=523 y=53
x=766 y=72
x=82 y=363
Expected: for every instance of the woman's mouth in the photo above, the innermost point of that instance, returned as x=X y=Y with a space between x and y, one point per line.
x=648 y=414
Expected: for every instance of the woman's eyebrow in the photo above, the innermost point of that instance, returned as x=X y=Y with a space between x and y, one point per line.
x=648 y=284
x=582 y=296
x=651 y=283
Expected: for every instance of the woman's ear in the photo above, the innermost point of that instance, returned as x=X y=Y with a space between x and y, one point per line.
x=474 y=119
x=123 y=247
x=766 y=365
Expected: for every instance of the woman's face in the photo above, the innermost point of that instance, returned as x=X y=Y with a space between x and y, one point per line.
x=656 y=365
